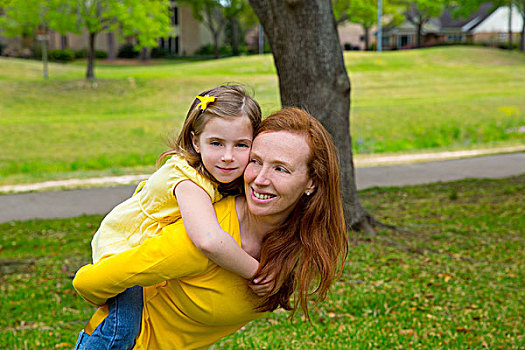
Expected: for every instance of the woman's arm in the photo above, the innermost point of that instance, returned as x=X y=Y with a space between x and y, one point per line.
x=164 y=257
x=204 y=230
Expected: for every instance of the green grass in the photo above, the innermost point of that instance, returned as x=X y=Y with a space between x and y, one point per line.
x=452 y=279
x=403 y=101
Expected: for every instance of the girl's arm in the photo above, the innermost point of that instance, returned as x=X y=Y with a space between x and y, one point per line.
x=203 y=229
x=169 y=255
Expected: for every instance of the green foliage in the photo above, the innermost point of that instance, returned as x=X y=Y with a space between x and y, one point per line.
x=22 y=17
x=62 y=56
x=452 y=278
x=145 y=20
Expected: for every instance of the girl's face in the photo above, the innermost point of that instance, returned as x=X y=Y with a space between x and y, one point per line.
x=224 y=146
x=277 y=175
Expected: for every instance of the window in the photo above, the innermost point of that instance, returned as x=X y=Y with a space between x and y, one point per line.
x=454 y=38
x=175 y=16
x=403 y=40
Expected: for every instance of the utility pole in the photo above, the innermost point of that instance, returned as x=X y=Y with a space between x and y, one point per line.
x=379 y=25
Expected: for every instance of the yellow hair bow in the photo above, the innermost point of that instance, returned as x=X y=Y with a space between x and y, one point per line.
x=205 y=101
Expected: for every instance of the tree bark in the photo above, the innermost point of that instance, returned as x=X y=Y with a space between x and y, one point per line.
x=312 y=75
x=112 y=52
x=510 y=26
x=522 y=39
x=215 y=31
x=419 y=34
x=235 y=36
x=90 y=73
x=63 y=42
x=145 y=54
x=367 y=33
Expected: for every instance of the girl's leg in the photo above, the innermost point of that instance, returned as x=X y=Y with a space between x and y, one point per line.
x=82 y=337
x=119 y=330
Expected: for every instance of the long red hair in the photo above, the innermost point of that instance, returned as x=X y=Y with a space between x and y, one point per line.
x=308 y=251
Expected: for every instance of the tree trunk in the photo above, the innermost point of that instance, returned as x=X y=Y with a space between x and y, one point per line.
x=367 y=33
x=522 y=39
x=312 y=75
x=90 y=74
x=63 y=42
x=215 y=32
x=235 y=36
x=112 y=52
x=510 y=25
x=215 y=46
x=419 y=34
x=145 y=54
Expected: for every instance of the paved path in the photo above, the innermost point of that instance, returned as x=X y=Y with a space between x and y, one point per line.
x=71 y=203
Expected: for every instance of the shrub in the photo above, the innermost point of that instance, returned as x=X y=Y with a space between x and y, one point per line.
x=64 y=56
x=505 y=46
x=2 y=47
x=101 y=54
x=127 y=51
x=158 y=52
x=205 y=50
x=84 y=53
x=81 y=53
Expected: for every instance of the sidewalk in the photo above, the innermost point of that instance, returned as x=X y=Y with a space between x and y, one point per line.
x=71 y=203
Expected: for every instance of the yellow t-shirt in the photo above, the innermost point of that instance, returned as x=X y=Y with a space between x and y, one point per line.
x=153 y=206
x=190 y=303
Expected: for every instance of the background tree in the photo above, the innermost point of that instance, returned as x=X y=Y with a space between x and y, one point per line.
x=22 y=18
x=520 y=4
x=363 y=12
x=27 y=18
x=419 y=13
x=146 y=20
x=210 y=13
x=233 y=9
x=312 y=75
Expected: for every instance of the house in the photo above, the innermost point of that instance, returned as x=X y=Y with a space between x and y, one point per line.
x=487 y=25
x=188 y=36
x=352 y=36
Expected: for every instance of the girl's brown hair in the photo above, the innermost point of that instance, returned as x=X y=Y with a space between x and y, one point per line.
x=232 y=101
x=308 y=251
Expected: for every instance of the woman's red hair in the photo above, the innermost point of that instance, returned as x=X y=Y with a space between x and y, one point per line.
x=308 y=251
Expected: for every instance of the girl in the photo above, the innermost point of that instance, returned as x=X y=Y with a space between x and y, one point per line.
x=207 y=160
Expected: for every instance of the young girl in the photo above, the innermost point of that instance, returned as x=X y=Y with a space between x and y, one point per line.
x=207 y=160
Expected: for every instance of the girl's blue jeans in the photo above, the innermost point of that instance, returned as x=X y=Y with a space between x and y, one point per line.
x=120 y=328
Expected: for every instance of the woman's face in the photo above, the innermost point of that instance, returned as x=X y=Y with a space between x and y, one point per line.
x=277 y=175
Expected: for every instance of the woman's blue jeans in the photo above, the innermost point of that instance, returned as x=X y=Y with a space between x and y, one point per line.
x=120 y=328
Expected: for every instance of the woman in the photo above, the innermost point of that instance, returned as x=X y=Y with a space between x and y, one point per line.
x=290 y=218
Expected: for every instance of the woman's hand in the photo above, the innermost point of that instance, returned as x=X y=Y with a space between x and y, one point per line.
x=263 y=285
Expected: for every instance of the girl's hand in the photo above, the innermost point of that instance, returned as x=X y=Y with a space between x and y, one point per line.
x=262 y=286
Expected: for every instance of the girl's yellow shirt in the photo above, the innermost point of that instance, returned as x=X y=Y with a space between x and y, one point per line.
x=148 y=211
x=189 y=301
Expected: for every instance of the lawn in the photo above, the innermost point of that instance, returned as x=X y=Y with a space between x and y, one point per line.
x=452 y=277
x=403 y=101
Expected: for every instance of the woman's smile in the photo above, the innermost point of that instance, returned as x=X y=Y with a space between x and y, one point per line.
x=262 y=196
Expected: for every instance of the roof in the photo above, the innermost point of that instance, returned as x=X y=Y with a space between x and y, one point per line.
x=448 y=20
